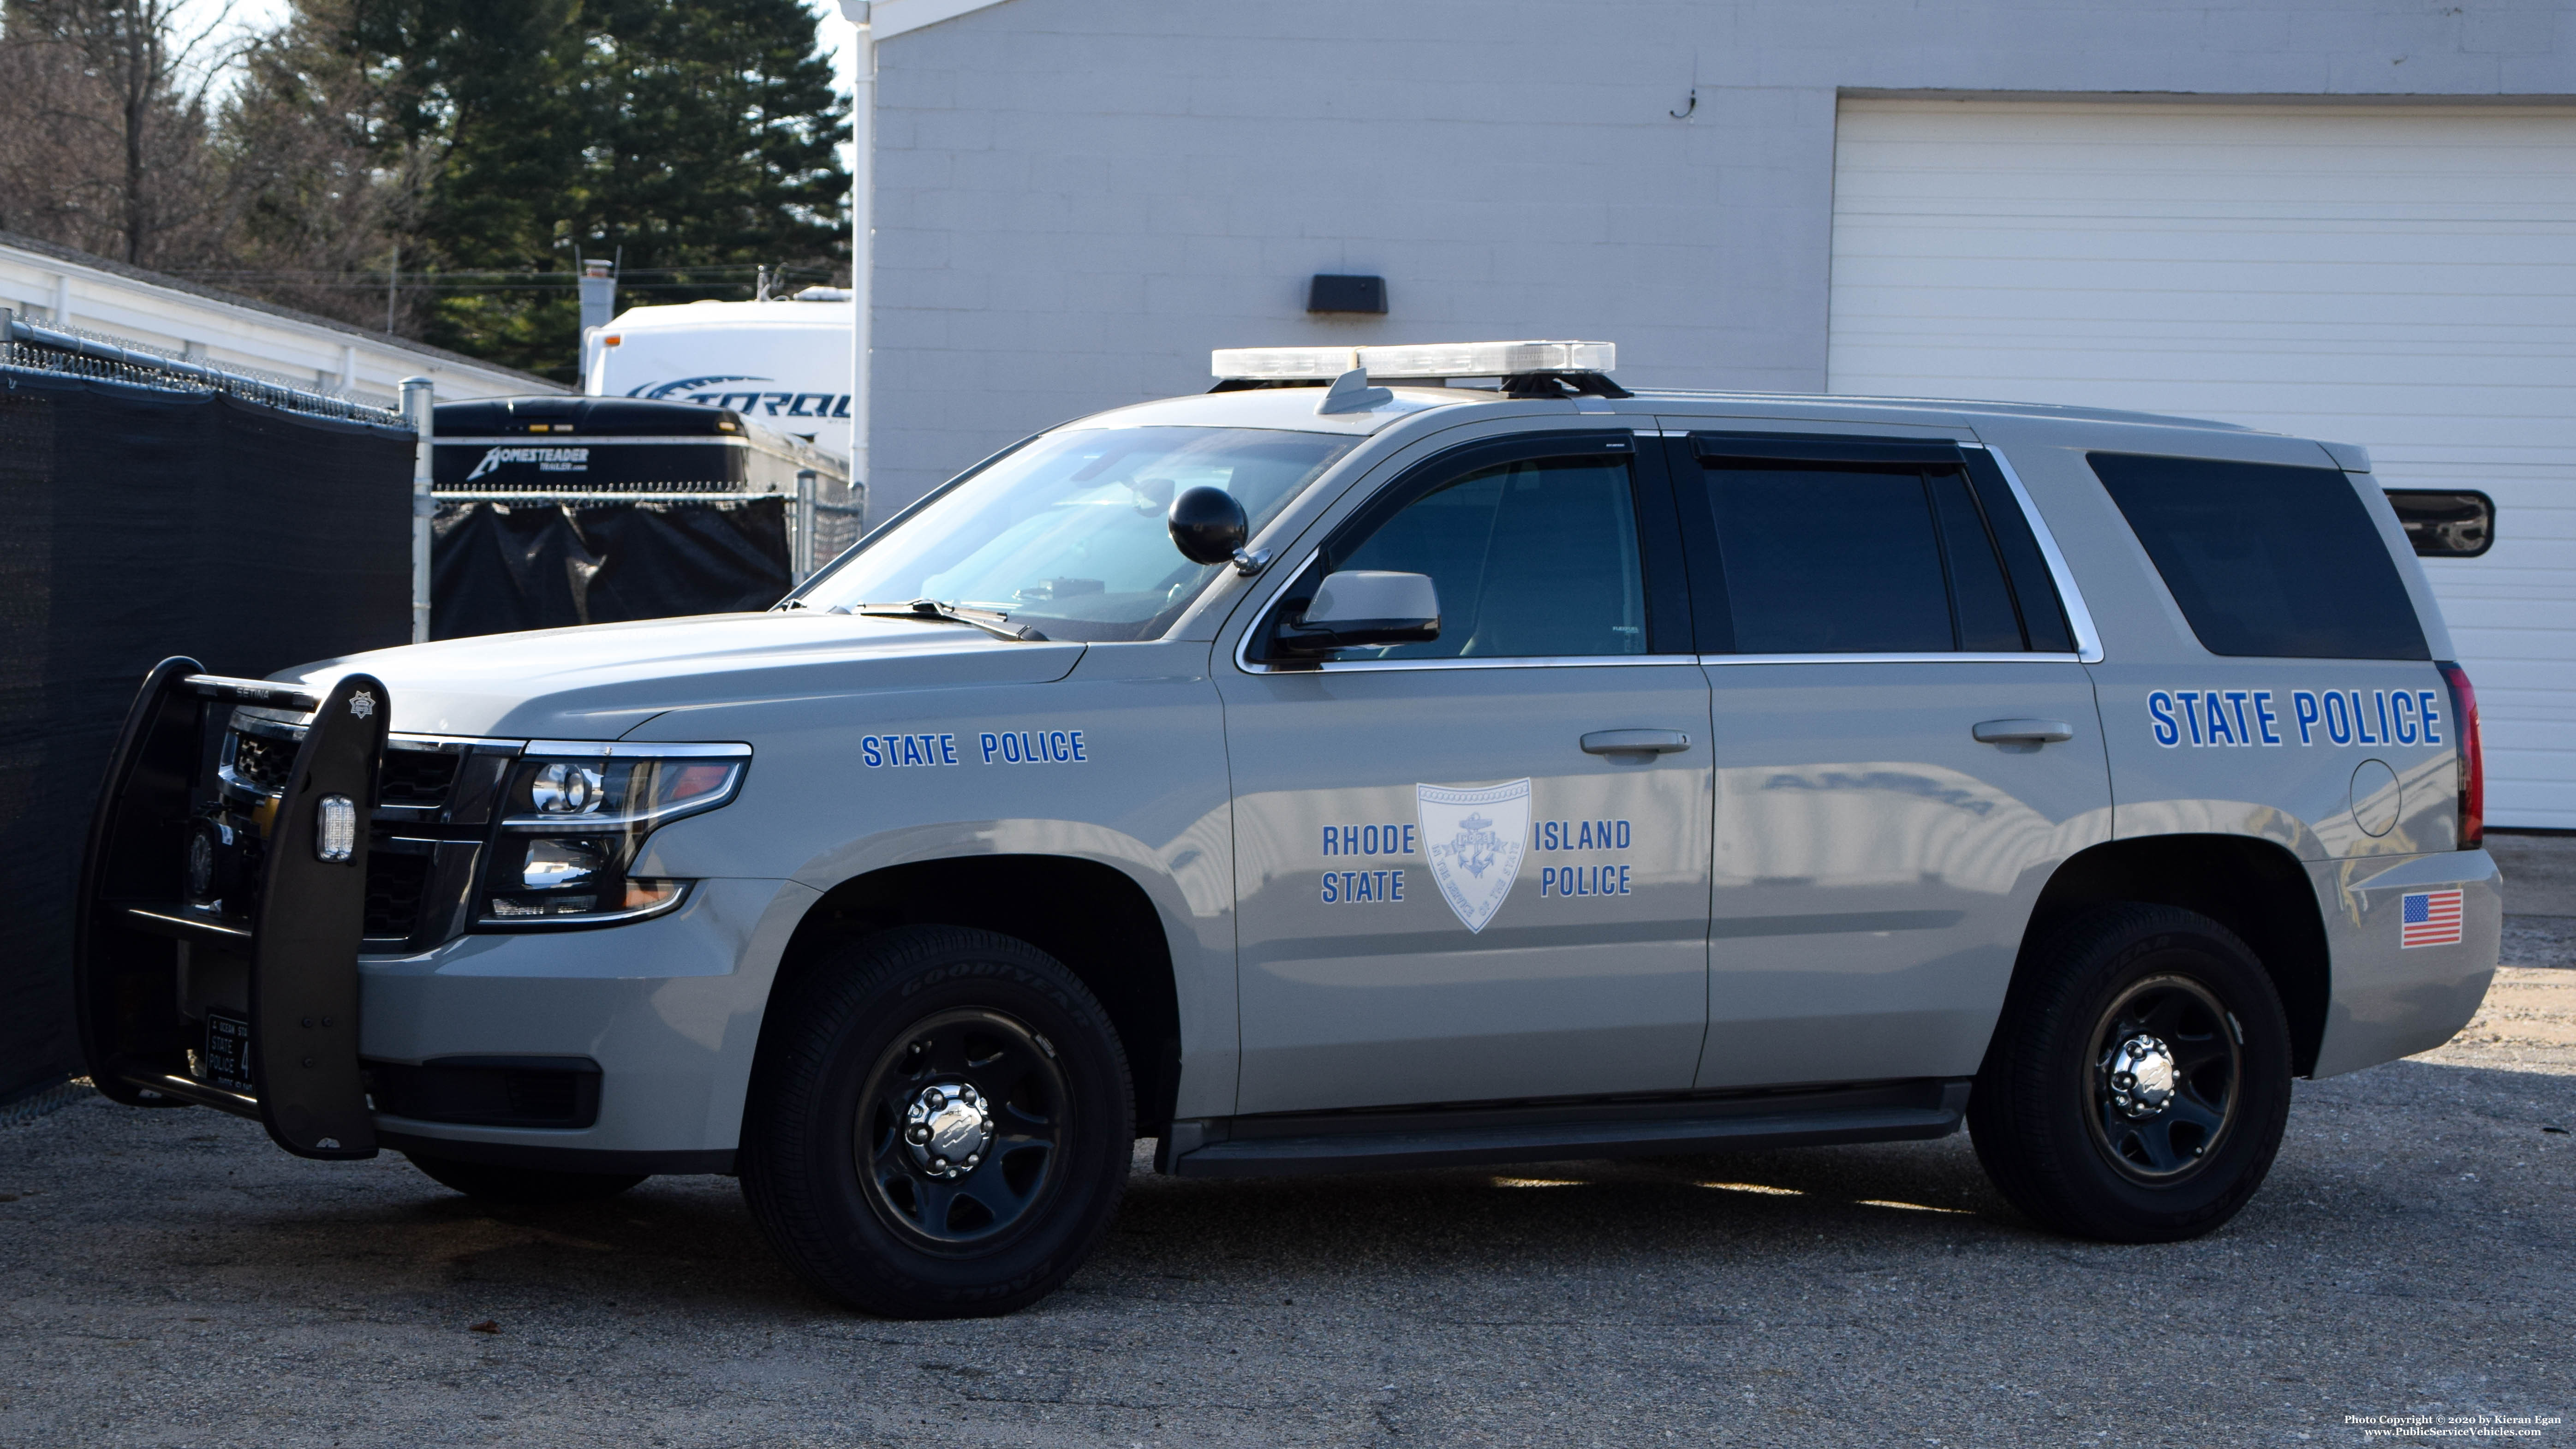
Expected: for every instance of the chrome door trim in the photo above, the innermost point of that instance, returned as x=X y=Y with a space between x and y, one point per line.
x=2088 y=642
x=1946 y=656
x=1535 y=661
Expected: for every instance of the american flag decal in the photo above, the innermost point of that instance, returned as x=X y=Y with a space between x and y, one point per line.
x=2430 y=918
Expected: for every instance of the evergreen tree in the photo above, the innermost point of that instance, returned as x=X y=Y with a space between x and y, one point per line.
x=686 y=136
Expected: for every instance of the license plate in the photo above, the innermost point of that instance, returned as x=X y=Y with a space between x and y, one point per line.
x=227 y=1054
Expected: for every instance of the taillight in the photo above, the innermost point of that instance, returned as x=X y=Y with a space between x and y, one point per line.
x=2473 y=756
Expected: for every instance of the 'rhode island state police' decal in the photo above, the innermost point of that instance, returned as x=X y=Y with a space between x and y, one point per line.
x=1474 y=840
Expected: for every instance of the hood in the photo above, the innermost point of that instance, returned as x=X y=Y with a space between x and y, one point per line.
x=600 y=681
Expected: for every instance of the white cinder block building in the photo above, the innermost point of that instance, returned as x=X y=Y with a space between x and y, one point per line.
x=59 y=287
x=2347 y=218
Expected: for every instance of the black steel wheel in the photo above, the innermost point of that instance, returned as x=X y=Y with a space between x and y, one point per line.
x=2167 y=1074
x=2139 y=1079
x=961 y=1127
x=939 y=1124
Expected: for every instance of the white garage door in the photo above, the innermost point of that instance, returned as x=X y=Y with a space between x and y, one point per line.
x=2399 y=277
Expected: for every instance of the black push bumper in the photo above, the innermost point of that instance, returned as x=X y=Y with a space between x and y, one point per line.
x=143 y=947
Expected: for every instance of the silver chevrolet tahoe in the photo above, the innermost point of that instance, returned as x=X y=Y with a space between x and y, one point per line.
x=1406 y=757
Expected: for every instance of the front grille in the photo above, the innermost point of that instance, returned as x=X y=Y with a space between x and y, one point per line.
x=395 y=884
x=417 y=777
x=263 y=764
x=410 y=779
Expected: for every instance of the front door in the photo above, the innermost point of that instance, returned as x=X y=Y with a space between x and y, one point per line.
x=1446 y=894
x=1906 y=746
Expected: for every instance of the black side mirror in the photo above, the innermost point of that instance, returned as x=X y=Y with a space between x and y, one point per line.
x=1207 y=525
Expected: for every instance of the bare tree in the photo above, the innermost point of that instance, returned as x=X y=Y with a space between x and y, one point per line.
x=104 y=108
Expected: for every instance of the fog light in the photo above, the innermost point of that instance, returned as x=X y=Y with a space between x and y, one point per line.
x=563 y=788
x=335 y=828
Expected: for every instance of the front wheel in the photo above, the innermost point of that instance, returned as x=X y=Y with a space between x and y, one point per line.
x=2139 y=1080
x=940 y=1124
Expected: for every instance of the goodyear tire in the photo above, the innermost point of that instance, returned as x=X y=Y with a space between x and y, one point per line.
x=2139 y=1079
x=939 y=1126
x=523 y=1186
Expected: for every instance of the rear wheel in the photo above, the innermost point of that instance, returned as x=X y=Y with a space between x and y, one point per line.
x=522 y=1185
x=939 y=1126
x=2139 y=1080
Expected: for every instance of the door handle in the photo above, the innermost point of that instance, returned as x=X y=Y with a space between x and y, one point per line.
x=1635 y=742
x=2023 y=731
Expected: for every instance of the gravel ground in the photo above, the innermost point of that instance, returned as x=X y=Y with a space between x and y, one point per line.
x=167 y=1278
x=2539 y=897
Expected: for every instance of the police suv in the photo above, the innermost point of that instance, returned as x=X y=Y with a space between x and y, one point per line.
x=1422 y=755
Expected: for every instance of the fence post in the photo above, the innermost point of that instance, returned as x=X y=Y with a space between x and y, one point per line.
x=420 y=401
x=801 y=554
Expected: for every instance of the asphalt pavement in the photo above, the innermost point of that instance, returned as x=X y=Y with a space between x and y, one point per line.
x=167 y=1278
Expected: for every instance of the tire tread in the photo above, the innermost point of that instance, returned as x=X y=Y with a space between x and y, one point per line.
x=2017 y=1090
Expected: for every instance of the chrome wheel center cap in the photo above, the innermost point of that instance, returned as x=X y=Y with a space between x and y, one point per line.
x=948 y=1128
x=2139 y=1077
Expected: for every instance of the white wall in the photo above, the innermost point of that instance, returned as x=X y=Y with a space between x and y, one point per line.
x=38 y=285
x=1076 y=199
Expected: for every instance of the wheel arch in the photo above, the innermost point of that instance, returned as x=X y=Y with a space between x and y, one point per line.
x=1089 y=915
x=2255 y=888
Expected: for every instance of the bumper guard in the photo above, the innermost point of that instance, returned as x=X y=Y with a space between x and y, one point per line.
x=136 y=932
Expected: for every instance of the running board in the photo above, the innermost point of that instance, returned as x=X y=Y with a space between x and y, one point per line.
x=1369 y=1141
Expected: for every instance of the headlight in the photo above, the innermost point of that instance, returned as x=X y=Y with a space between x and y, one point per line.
x=575 y=817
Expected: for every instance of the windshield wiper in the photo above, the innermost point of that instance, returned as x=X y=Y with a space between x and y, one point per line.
x=991 y=621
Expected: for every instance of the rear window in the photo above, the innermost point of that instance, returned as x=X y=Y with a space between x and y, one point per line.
x=2267 y=560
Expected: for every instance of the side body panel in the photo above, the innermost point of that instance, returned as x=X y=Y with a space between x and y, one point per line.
x=1876 y=865
x=1362 y=986
x=2391 y=999
x=2316 y=756
x=1122 y=762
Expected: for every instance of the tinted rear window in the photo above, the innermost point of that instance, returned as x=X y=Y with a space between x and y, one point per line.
x=2267 y=560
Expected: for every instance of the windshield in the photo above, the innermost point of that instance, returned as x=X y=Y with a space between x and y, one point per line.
x=1066 y=535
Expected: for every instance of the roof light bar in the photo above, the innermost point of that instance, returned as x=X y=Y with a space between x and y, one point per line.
x=1434 y=359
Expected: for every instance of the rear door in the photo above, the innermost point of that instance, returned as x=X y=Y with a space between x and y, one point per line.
x=1905 y=744
x=1444 y=895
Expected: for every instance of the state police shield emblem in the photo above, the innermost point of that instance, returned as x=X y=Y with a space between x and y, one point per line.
x=1474 y=839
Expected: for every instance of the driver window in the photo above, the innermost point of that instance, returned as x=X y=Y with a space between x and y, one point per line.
x=1532 y=559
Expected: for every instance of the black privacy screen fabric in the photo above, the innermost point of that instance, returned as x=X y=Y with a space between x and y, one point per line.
x=499 y=567
x=134 y=525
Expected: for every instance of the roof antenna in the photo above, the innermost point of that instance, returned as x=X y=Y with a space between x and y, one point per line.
x=1351 y=393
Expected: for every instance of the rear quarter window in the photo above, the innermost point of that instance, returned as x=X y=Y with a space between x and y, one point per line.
x=2267 y=560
